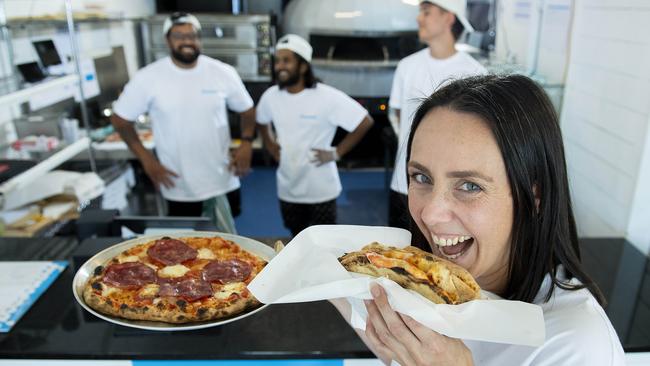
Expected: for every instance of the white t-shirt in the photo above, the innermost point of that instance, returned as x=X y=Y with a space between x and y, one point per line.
x=416 y=78
x=189 y=121
x=304 y=121
x=578 y=333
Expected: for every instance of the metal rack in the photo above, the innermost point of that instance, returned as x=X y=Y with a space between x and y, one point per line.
x=15 y=93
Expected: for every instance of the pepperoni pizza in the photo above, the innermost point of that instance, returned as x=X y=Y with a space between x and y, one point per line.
x=175 y=281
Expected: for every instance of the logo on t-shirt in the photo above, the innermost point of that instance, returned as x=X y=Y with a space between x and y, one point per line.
x=308 y=116
x=209 y=91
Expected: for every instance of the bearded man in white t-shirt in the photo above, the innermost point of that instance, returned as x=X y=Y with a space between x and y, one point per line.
x=186 y=96
x=304 y=114
x=440 y=24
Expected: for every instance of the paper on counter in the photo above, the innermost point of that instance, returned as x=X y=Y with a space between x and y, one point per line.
x=21 y=283
x=307 y=269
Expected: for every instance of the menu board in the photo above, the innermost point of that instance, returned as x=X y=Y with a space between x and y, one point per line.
x=21 y=283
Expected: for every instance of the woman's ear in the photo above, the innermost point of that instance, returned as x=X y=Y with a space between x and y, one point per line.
x=537 y=197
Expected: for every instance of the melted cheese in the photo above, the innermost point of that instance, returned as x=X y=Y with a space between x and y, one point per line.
x=177 y=270
x=131 y=258
x=108 y=290
x=227 y=289
x=150 y=290
x=205 y=253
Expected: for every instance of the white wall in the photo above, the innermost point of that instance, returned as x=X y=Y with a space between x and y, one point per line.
x=534 y=34
x=514 y=21
x=112 y=8
x=605 y=119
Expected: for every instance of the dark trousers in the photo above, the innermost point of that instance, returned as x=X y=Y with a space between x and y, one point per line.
x=299 y=216
x=398 y=210
x=195 y=209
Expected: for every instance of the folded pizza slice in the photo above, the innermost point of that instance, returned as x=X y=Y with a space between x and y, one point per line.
x=437 y=279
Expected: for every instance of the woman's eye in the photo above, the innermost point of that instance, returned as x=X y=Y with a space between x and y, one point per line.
x=470 y=187
x=420 y=178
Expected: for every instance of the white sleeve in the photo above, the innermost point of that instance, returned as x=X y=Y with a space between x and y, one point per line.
x=586 y=338
x=395 y=100
x=263 y=114
x=561 y=351
x=134 y=100
x=346 y=112
x=238 y=99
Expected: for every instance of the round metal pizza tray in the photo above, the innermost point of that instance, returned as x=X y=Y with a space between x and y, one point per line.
x=81 y=277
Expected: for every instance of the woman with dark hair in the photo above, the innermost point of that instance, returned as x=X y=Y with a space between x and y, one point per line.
x=488 y=190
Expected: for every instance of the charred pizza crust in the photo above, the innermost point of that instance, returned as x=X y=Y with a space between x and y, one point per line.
x=437 y=279
x=143 y=299
x=169 y=310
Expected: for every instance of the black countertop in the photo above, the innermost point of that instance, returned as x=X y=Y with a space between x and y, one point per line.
x=57 y=327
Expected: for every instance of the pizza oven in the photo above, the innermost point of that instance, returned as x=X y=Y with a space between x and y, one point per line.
x=357 y=43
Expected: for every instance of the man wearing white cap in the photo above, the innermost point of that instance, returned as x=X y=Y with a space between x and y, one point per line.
x=440 y=24
x=305 y=115
x=186 y=96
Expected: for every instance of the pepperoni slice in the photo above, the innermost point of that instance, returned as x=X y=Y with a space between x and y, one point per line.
x=232 y=270
x=189 y=288
x=129 y=275
x=170 y=251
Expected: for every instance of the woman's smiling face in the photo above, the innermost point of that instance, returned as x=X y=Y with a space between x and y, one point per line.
x=459 y=194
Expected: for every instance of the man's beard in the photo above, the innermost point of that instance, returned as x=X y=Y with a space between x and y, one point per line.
x=293 y=79
x=186 y=58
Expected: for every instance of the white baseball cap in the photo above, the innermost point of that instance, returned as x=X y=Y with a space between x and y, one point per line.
x=296 y=44
x=180 y=18
x=458 y=7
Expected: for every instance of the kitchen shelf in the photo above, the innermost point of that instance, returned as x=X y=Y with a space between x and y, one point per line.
x=12 y=191
x=23 y=94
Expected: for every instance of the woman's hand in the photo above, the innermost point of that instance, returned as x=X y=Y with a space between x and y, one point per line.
x=398 y=337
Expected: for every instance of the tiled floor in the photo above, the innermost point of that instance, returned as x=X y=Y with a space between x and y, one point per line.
x=364 y=201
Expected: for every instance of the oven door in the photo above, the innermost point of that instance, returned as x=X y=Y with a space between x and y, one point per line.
x=242 y=32
x=251 y=65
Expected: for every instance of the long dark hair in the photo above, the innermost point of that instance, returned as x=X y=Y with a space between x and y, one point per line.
x=526 y=129
x=310 y=79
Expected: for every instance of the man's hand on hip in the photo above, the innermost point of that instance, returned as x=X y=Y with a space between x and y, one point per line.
x=274 y=150
x=158 y=174
x=323 y=156
x=240 y=164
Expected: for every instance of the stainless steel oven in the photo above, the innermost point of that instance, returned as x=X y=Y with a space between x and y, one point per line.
x=243 y=41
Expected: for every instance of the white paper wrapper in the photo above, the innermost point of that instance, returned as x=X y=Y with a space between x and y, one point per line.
x=307 y=269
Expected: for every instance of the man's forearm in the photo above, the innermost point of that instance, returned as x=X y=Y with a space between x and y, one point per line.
x=247 y=123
